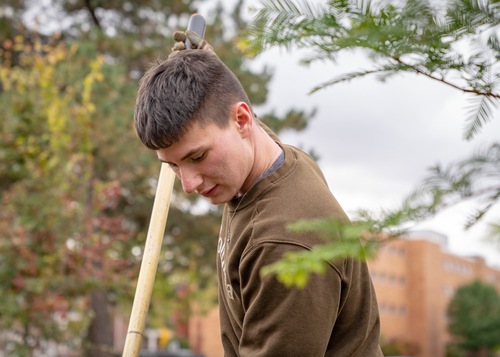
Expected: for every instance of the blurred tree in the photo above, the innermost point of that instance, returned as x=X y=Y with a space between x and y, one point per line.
x=474 y=318
x=398 y=347
x=107 y=186
x=60 y=232
x=455 y=42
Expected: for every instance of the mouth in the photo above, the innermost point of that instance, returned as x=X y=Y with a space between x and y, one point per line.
x=210 y=193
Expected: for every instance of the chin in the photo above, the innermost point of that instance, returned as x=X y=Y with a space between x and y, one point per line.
x=220 y=199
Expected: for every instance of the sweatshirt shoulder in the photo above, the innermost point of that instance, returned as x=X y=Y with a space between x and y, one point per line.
x=300 y=191
x=297 y=192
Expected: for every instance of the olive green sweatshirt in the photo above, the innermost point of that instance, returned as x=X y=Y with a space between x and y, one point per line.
x=335 y=314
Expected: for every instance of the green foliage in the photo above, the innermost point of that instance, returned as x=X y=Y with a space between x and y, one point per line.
x=296 y=119
x=412 y=36
x=76 y=184
x=295 y=267
x=48 y=218
x=474 y=317
x=132 y=33
x=474 y=178
x=480 y=111
x=455 y=43
x=398 y=347
x=64 y=210
x=359 y=239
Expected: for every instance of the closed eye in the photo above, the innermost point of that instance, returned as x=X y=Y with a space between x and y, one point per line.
x=174 y=167
x=199 y=157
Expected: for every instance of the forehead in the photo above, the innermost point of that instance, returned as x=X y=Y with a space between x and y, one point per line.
x=196 y=138
x=199 y=133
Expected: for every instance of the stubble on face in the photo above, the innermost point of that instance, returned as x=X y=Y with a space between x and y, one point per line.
x=225 y=168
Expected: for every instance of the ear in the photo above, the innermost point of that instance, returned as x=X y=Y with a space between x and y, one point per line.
x=243 y=118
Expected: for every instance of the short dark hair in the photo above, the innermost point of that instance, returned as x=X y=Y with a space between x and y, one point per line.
x=191 y=86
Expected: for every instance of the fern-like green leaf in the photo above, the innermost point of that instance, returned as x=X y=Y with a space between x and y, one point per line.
x=345 y=78
x=480 y=112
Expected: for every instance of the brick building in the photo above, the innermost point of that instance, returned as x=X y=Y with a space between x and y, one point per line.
x=414 y=278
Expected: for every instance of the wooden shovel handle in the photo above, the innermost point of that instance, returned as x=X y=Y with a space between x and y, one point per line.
x=154 y=241
x=149 y=263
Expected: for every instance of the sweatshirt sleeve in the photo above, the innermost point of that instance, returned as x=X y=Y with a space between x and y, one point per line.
x=281 y=321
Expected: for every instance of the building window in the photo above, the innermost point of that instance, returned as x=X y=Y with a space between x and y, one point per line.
x=402 y=310
x=457 y=267
x=392 y=309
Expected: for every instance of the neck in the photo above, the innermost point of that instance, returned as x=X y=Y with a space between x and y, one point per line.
x=266 y=151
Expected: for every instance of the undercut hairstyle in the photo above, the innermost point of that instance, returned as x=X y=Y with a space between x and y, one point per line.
x=191 y=86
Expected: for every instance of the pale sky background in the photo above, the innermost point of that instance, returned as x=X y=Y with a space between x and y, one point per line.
x=377 y=140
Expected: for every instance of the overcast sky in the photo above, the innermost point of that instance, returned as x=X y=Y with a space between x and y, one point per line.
x=377 y=140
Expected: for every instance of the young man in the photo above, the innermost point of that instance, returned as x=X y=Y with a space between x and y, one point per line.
x=193 y=112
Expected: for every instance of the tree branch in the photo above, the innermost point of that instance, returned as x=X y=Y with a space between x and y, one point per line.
x=93 y=15
x=428 y=75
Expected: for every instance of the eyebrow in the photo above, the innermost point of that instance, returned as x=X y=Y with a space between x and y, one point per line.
x=189 y=154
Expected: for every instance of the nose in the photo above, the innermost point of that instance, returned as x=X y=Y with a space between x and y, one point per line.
x=190 y=180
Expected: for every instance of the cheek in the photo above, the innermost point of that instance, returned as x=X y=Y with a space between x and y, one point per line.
x=220 y=167
x=230 y=163
x=225 y=168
